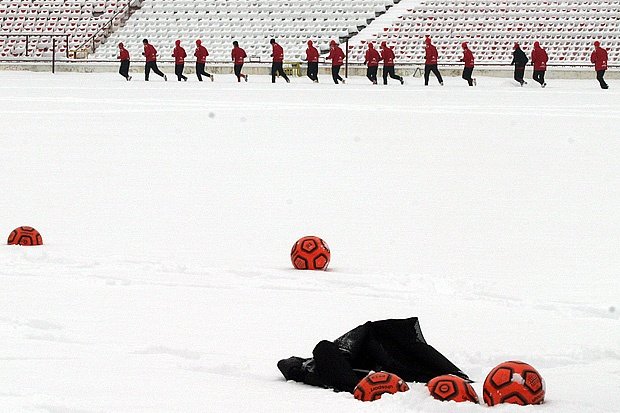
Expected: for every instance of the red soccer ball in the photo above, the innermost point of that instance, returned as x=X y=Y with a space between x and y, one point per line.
x=372 y=386
x=310 y=253
x=514 y=382
x=449 y=387
x=25 y=236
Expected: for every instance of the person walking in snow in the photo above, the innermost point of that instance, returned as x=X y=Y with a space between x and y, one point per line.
x=599 y=58
x=312 y=57
x=539 y=61
x=123 y=56
x=277 y=54
x=468 y=61
x=150 y=55
x=201 y=54
x=430 y=65
x=238 y=56
x=336 y=55
x=387 y=55
x=519 y=59
x=372 y=59
x=179 y=60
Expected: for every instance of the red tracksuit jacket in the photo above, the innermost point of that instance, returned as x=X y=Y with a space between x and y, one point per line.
x=238 y=54
x=179 y=55
x=599 y=58
x=150 y=53
x=372 y=57
x=468 y=58
x=387 y=55
x=312 y=55
x=201 y=54
x=431 y=54
x=337 y=56
x=124 y=55
x=277 y=53
x=539 y=59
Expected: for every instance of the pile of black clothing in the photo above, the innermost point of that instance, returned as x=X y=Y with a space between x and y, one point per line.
x=396 y=346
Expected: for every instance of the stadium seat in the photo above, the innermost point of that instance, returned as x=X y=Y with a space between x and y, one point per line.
x=566 y=29
x=252 y=23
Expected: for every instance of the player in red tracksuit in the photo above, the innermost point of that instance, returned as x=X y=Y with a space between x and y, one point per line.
x=312 y=56
x=336 y=55
x=387 y=55
x=277 y=53
x=431 y=57
x=201 y=54
x=372 y=59
x=539 y=61
x=179 y=61
x=238 y=55
x=151 y=61
x=123 y=56
x=468 y=60
x=599 y=58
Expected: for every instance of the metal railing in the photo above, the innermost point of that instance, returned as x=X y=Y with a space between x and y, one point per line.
x=28 y=36
x=54 y=36
x=106 y=29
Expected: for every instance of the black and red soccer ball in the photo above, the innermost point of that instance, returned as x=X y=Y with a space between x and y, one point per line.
x=452 y=388
x=310 y=253
x=514 y=382
x=26 y=236
x=374 y=385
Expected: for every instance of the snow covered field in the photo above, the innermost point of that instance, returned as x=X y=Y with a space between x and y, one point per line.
x=168 y=211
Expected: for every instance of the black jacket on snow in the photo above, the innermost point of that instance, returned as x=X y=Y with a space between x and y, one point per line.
x=519 y=58
x=396 y=346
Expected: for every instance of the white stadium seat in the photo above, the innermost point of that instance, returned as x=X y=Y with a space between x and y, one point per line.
x=252 y=23
x=566 y=29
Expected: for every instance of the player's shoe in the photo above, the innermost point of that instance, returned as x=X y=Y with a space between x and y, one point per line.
x=475 y=83
x=165 y=78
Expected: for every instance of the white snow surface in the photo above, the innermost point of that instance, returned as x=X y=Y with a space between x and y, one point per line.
x=168 y=211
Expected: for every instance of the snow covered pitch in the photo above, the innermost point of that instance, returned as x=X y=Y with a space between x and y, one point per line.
x=168 y=211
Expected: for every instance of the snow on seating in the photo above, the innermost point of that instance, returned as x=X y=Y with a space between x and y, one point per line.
x=80 y=19
x=218 y=23
x=566 y=29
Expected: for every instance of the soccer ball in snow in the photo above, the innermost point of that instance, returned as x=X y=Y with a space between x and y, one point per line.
x=25 y=236
x=374 y=385
x=514 y=382
x=449 y=387
x=310 y=253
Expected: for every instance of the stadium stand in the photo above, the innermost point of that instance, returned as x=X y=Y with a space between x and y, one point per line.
x=566 y=29
x=79 y=20
x=250 y=22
